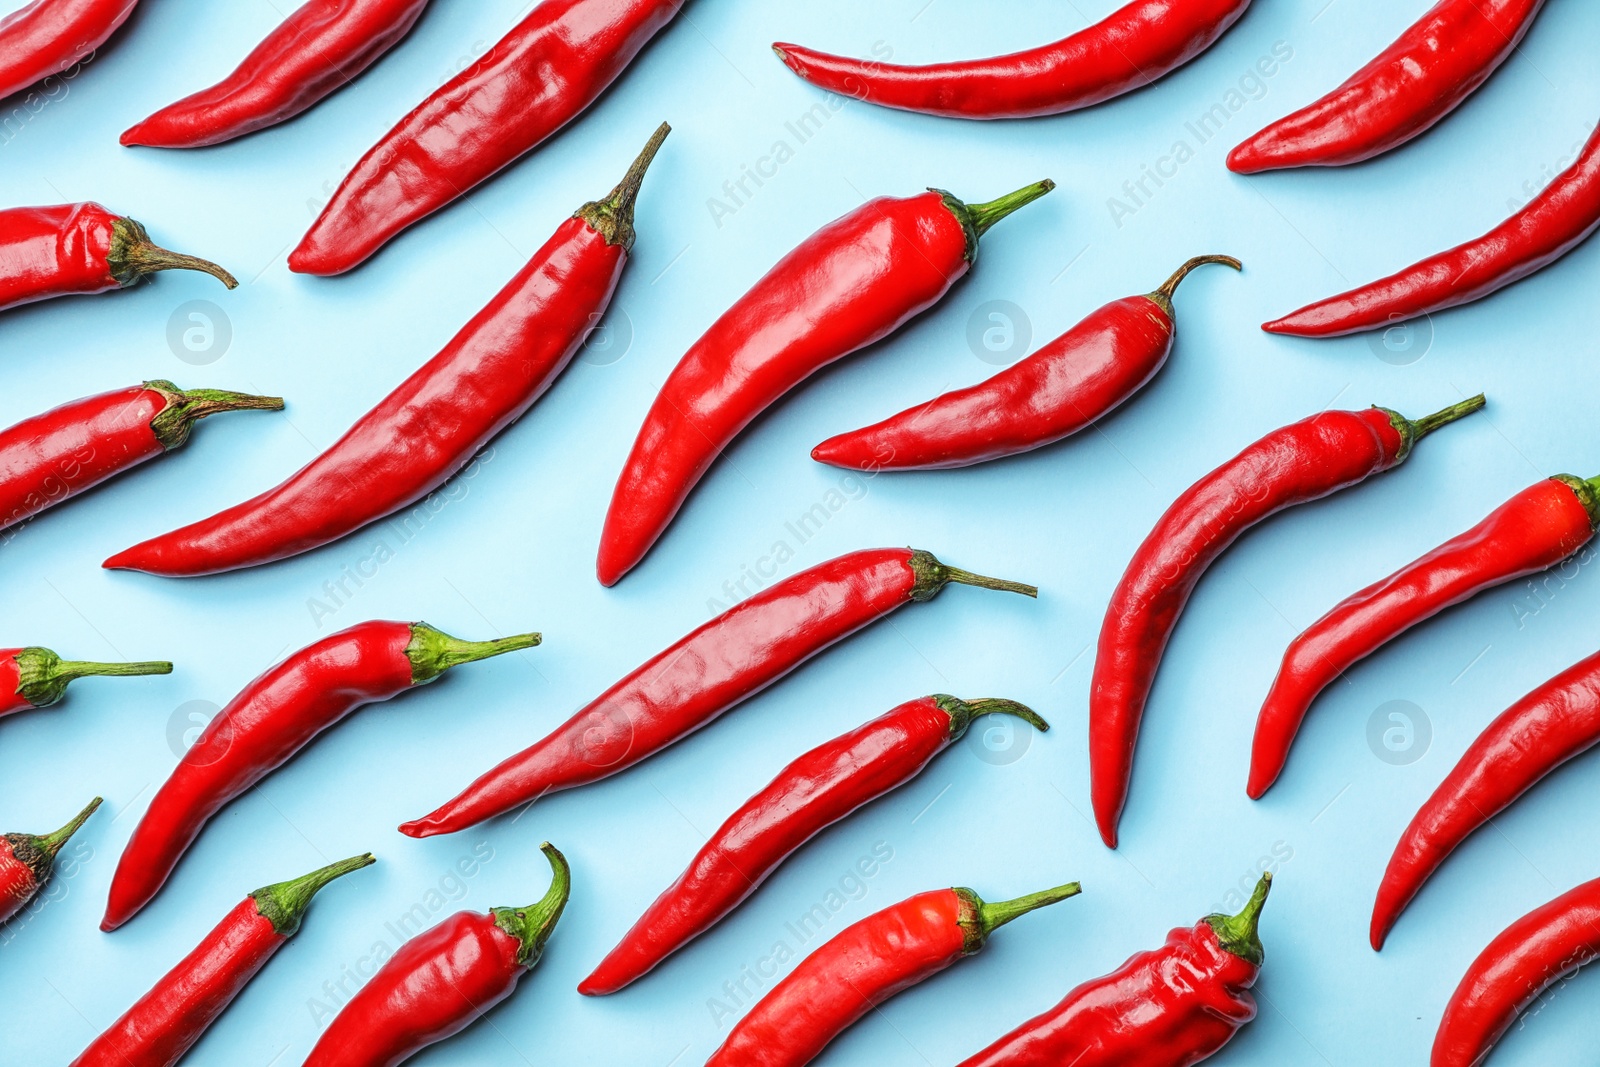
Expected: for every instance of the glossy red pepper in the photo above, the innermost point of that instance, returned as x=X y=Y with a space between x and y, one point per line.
x=1060 y=389
x=1302 y=462
x=320 y=48
x=48 y=36
x=435 y=421
x=168 y=1020
x=815 y=791
x=1558 y=220
x=28 y=860
x=535 y=80
x=717 y=667
x=1538 y=528
x=1134 y=46
x=1414 y=83
x=852 y=283
x=1172 y=1007
x=37 y=677
x=273 y=718
x=443 y=980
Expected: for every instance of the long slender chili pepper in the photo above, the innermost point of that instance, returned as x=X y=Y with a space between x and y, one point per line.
x=536 y=79
x=443 y=980
x=435 y=421
x=80 y=249
x=273 y=718
x=712 y=670
x=37 y=677
x=815 y=791
x=48 y=36
x=322 y=47
x=852 y=283
x=1298 y=463
x=1065 y=386
x=1172 y=1007
x=1557 y=722
x=168 y=1020
x=1558 y=220
x=864 y=965
x=1414 y=83
x=1134 y=46
x=1538 y=528
x=28 y=860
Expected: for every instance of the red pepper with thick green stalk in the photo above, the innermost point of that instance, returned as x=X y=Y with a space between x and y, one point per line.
x=47 y=37
x=36 y=677
x=28 y=860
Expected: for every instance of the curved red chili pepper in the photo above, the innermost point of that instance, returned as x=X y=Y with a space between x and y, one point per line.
x=80 y=249
x=1414 y=83
x=809 y=795
x=535 y=80
x=435 y=421
x=850 y=284
x=322 y=47
x=1538 y=528
x=1060 y=389
x=37 y=677
x=1172 y=1007
x=1302 y=462
x=1134 y=46
x=273 y=718
x=443 y=980
x=1558 y=220
x=168 y=1020
x=48 y=36
x=712 y=670
x=28 y=860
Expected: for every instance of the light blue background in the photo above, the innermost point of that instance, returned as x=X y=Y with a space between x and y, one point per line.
x=514 y=548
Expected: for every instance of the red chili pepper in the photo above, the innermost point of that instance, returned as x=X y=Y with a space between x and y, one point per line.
x=809 y=795
x=1134 y=46
x=27 y=861
x=321 y=48
x=852 y=283
x=1557 y=221
x=1065 y=386
x=273 y=718
x=79 y=249
x=864 y=965
x=435 y=421
x=168 y=1020
x=443 y=980
x=717 y=667
x=48 y=36
x=1302 y=462
x=1538 y=528
x=1425 y=75
x=1172 y=1007
x=37 y=678
x=535 y=80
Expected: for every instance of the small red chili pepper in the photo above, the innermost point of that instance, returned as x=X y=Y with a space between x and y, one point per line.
x=712 y=670
x=1134 y=46
x=850 y=284
x=536 y=79
x=48 y=36
x=443 y=980
x=1302 y=462
x=322 y=47
x=435 y=421
x=1065 y=386
x=80 y=249
x=273 y=718
x=1172 y=1007
x=809 y=795
x=1425 y=75
x=27 y=861
x=37 y=677
x=1558 y=220
x=168 y=1020
x=1538 y=528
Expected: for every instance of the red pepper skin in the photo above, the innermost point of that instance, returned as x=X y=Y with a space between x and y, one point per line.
x=37 y=678
x=535 y=80
x=1065 y=386
x=1296 y=464
x=712 y=670
x=48 y=36
x=1425 y=75
x=272 y=719
x=27 y=861
x=815 y=791
x=1136 y=45
x=321 y=48
x=1536 y=529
